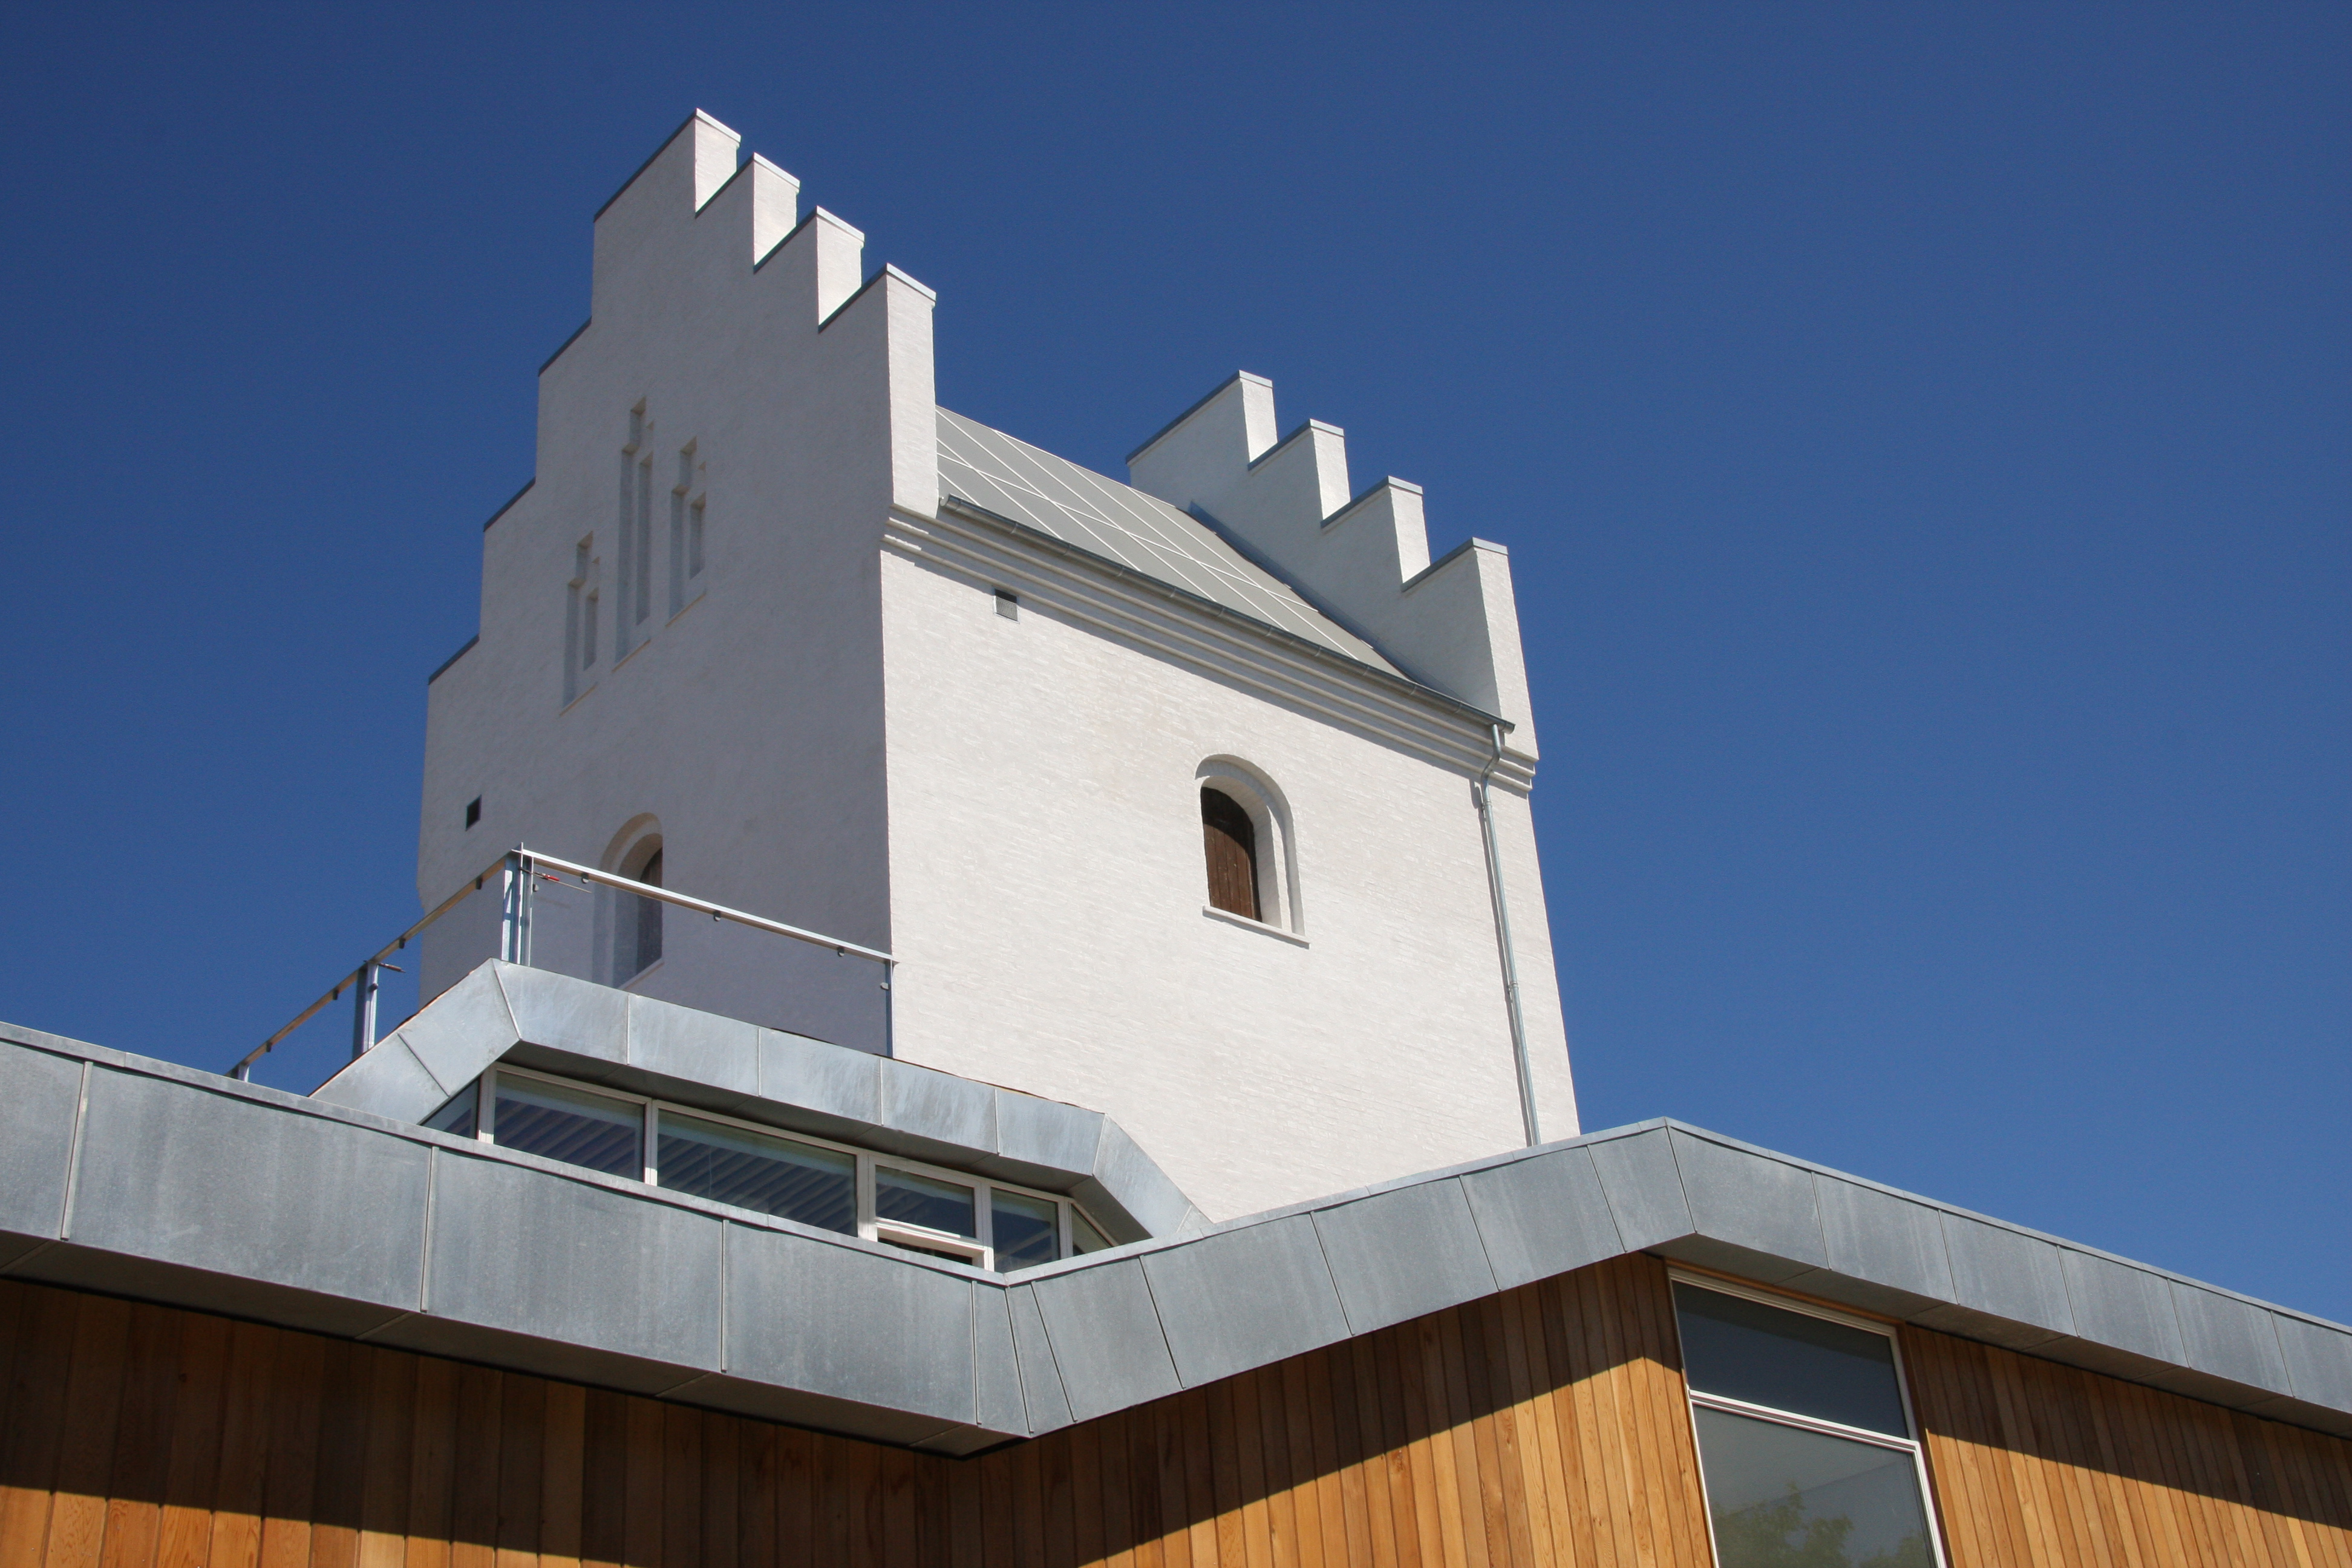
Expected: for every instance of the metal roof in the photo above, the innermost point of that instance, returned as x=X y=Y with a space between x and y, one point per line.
x=994 y=471
x=146 y=1179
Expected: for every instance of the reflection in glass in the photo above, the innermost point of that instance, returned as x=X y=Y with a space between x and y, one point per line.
x=1757 y=1355
x=911 y=1199
x=1781 y=1497
x=569 y=1124
x=1083 y=1236
x=457 y=1116
x=1026 y=1230
x=751 y=1170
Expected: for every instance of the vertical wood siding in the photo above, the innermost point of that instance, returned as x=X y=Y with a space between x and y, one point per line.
x=2035 y=1462
x=1546 y=1426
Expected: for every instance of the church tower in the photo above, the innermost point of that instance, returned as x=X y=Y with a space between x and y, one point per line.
x=1200 y=799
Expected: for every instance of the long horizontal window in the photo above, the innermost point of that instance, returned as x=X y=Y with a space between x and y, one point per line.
x=947 y=1213
x=1805 y=1443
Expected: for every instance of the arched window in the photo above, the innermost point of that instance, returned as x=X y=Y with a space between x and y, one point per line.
x=649 y=913
x=630 y=928
x=1230 y=840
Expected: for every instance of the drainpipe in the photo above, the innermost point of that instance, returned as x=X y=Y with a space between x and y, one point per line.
x=1479 y=787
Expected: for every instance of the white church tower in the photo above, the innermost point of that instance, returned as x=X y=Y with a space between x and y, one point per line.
x=1200 y=800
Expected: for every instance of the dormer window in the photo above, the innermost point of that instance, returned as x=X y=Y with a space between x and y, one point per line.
x=1230 y=840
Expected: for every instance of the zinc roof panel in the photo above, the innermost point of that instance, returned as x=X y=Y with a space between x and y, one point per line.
x=1079 y=507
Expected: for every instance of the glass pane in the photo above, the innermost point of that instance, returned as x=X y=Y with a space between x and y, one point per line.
x=752 y=1170
x=1026 y=1230
x=932 y=1251
x=1083 y=1236
x=911 y=1199
x=1780 y=1495
x=1746 y=1350
x=457 y=1116
x=571 y=1124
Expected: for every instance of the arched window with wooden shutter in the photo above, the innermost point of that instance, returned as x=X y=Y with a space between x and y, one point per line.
x=1230 y=840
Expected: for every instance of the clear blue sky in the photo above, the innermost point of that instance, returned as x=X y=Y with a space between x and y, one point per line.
x=1919 y=431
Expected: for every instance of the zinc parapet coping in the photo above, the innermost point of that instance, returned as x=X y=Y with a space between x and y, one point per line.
x=2322 y=1407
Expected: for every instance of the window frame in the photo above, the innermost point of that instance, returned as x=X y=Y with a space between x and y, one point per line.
x=979 y=1252
x=1281 y=911
x=1697 y=1401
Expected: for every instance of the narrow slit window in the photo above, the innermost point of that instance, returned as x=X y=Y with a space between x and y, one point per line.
x=579 y=619
x=1230 y=840
x=642 y=602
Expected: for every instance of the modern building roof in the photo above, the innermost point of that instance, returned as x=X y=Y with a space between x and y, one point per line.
x=996 y=473
x=145 y=1179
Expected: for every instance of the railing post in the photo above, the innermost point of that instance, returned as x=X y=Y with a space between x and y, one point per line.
x=364 y=1010
x=514 y=910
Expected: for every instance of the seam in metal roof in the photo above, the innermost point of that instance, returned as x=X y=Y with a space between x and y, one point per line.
x=1084 y=510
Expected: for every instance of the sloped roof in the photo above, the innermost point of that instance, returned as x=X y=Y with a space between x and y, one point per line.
x=995 y=472
x=200 y=1191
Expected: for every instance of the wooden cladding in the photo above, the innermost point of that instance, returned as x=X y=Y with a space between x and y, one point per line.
x=1230 y=840
x=2035 y=1462
x=1547 y=1426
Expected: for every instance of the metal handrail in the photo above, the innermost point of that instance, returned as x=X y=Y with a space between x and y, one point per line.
x=702 y=906
x=364 y=973
x=520 y=864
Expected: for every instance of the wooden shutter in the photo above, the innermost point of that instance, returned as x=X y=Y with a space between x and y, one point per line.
x=1231 y=841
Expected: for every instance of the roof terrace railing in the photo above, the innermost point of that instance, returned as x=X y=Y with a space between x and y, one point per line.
x=542 y=912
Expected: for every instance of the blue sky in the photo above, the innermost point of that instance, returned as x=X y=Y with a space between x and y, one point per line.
x=1919 y=432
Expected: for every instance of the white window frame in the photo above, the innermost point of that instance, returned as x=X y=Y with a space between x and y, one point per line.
x=1698 y=1401
x=979 y=1252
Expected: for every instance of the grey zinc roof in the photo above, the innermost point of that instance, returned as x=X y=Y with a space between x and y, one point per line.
x=145 y=1179
x=992 y=471
x=534 y=1018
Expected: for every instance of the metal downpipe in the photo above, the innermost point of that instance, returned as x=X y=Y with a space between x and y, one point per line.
x=1478 y=788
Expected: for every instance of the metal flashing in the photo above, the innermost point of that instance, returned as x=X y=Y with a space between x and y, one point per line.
x=669 y=1294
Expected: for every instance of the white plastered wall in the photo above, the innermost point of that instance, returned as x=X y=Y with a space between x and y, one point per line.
x=1047 y=893
x=751 y=724
x=847 y=736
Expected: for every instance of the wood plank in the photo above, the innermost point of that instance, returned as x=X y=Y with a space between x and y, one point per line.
x=338 y=1476
x=94 y=1386
x=248 y=1404
x=641 y=1483
x=432 y=1464
x=198 y=1416
x=756 y=1503
x=474 y=1492
x=390 y=1457
x=291 y=1480
x=562 y=1467
x=681 y=1486
x=603 y=1479
x=1292 y=1432
x=796 y=1512
x=522 y=1437
x=721 y=1505
x=139 y=1472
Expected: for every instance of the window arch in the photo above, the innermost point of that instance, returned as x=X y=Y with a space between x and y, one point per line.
x=631 y=933
x=1250 y=857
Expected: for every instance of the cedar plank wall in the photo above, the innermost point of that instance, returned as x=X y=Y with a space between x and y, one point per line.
x=1545 y=1426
